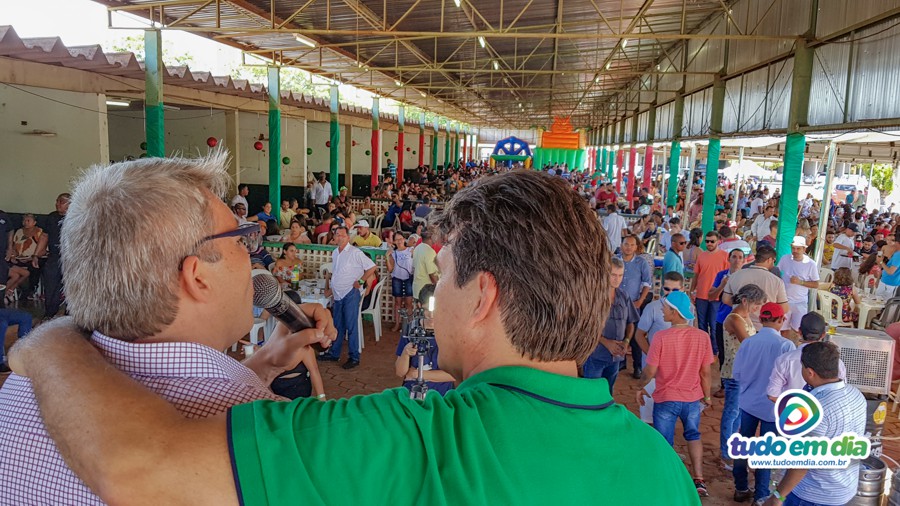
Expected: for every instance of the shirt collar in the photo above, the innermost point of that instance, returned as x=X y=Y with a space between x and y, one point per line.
x=828 y=387
x=172 y=359
x=556 y=387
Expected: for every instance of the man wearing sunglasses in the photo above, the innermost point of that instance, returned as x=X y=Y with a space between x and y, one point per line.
x=162 y=313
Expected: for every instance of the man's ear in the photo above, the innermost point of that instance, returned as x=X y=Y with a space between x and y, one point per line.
x=487 y=293
x=193 y=279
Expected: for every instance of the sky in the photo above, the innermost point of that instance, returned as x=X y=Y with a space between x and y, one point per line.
x=83 y=22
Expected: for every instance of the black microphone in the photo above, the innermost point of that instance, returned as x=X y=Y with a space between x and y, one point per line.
x=267 y=294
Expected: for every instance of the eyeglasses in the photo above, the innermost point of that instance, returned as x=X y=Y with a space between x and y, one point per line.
x=710 y=241
x=681 y=242
x=667 y=289
x=248 y=232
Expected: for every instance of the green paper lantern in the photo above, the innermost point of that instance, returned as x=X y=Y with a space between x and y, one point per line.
x=308 y=151
x=368 y=152
x=387 y=154
x=144 y=146
x=286 y=160
x=143 y=155
x=414 y=152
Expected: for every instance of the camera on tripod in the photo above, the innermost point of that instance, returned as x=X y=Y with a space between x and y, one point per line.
x=417 y=329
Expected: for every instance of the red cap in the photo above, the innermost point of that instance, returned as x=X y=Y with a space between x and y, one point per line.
x=771 y=310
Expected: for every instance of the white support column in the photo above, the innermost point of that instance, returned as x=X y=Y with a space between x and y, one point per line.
x=103 y=130
x=232 y=142
x=304 y=129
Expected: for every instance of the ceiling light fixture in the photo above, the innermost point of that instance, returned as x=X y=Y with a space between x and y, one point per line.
x=597 y=79
x=306 y=41
x=482 y=41
x=118 y=103
x=496 y=65
x=422 y=93
x=398 y=83
x=456 y=2
x=607 y=65
x=624 y=43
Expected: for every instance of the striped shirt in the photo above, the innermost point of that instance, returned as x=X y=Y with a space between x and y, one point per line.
x=843 y=410
x=198 y=380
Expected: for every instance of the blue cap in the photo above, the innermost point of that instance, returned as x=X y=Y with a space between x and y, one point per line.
x=679 y=301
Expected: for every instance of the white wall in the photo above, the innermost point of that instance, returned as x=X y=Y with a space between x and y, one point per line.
x=255 y=164
x=186 y=132
x=35 y=169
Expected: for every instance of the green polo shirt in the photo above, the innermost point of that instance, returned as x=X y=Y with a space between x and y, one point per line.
x=510 y=435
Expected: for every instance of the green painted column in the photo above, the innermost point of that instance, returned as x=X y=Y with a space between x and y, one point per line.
x=154 y=124
x=434 y=144
x=335 y=138
x=375 y=144
x=708 y=223
x=274 y=92
x=456 y=146
x=611 y=158
x=675 y=156
x=447 y=147
x=795 y=147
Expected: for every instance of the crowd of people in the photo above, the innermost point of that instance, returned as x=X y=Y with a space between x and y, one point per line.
x=725 y=301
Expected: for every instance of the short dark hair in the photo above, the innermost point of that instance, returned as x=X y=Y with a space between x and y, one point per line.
x=764 y=253
x=242 y=186
x=673 y=276
x=822 y=357
x=712 y=233
x=544 y=319
x=725 y=231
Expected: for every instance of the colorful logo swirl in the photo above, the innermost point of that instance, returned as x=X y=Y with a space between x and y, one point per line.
x=797 y=412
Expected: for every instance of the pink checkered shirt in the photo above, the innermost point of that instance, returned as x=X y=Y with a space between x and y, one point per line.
x=199 y=381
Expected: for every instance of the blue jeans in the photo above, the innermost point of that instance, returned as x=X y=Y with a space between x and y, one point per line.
x=749 y=424
x=665 y=414
x=346 y=321
x=792 y=500
x=706 y=320
x=731 y=419
x=13 y=317
x=608 y=370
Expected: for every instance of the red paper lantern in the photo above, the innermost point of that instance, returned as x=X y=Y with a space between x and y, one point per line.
x=327 y=144
x=395 y=148
x=258 y=145
x=408 y=149
x=353 y=143
x=212 y=142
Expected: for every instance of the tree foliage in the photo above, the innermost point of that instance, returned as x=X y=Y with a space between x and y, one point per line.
x=135 y=44
x=882 y=177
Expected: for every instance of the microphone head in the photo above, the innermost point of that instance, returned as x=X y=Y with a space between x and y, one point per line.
x=266 y=290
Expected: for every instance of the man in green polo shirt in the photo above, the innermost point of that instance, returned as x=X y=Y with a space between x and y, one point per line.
x=521 y=428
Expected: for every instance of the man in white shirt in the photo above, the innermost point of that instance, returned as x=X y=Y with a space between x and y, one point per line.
x=760 y=227
x=787 y=374
x=322 y=192
x=352 y=269
x=800 y=273
x=614 y=224
x=241 y=196
x=756 y=206
x=843 y=248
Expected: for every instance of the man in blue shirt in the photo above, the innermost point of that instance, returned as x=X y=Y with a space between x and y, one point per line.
x=673 y=262
x=843 y=411
x=753 y=366
x=652 y=320
x=636 y=284
x=617 y=332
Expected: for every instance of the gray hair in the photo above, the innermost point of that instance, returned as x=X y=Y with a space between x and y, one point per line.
x=127 y=230
x=750 y=293
x=617 y=262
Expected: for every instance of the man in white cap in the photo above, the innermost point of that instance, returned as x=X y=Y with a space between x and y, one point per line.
x=800 y=273
x=364 y=237
x=680 y=359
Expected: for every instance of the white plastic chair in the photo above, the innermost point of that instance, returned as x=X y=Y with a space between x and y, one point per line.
x=320 y=239
x=325 y=268
x=377 y=224
x=258 y=324
x=869 y=284
x=826 y=275
x=374 y=309
x=829 y=305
